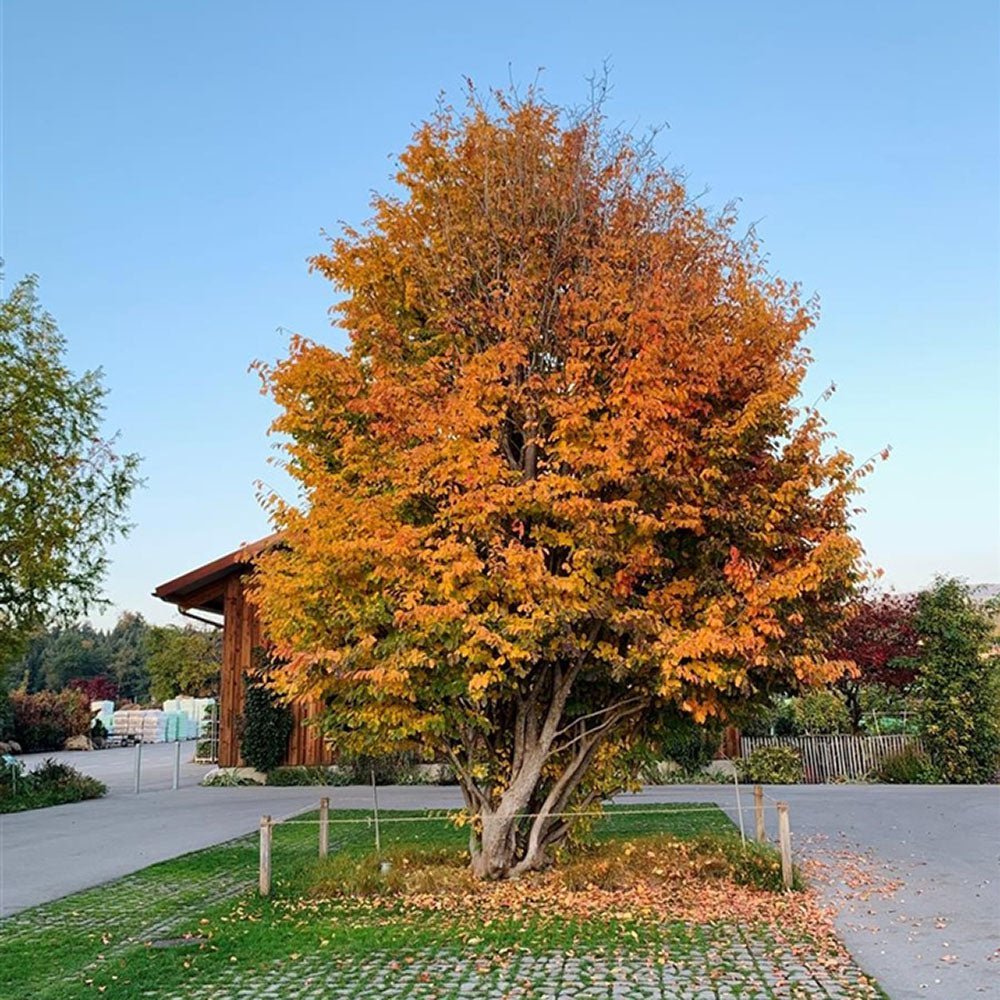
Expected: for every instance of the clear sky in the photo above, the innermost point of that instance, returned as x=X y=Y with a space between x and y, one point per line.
x=168 y=167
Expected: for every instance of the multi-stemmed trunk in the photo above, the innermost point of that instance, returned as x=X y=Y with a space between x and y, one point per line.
x=516 y=830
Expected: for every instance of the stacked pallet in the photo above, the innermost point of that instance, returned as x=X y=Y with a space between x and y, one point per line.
x=180 y=719
x=150 y=725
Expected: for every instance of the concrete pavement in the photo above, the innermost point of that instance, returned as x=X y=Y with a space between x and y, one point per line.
x=116 y=767
x=913 y=870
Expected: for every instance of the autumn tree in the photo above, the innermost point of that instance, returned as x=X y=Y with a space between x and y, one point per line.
x=64 y=484
x=558 y=485
x=880 y=638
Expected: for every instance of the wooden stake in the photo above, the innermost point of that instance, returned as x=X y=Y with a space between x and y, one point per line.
x=378 y=836
x=758 y=808
x=324 y=827
x=785 y=841
x=266 y=830
x=739 y=806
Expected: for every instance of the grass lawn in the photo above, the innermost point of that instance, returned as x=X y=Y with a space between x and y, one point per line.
x=661 y=904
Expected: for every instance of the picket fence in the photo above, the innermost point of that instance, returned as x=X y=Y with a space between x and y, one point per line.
x=834 y=758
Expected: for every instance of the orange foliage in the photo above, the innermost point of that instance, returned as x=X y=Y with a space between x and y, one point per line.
x=562 y=451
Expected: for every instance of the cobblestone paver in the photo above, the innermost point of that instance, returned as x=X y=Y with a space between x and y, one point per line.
x=743 y=971
x=133 y=908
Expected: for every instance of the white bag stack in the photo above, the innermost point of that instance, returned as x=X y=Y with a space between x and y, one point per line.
x=154 y=726
x=127 y=722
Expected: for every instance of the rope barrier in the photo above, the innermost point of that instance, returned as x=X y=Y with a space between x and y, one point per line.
x=324 y=821
x=388 y=818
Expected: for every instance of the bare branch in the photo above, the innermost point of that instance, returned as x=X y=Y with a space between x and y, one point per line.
x=601 y=711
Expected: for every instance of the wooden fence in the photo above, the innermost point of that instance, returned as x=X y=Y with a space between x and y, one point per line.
x=834 y=758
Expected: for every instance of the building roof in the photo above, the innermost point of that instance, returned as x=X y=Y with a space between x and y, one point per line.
x=202 y=589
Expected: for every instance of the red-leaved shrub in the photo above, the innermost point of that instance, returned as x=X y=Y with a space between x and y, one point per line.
x=44 y=721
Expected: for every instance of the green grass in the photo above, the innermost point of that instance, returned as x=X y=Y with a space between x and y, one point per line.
x=98 y=943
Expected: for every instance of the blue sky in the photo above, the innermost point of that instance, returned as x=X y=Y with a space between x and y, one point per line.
x=168 y=168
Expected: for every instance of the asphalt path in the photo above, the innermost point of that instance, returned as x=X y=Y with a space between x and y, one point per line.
x=116 y=767
x=914 y=871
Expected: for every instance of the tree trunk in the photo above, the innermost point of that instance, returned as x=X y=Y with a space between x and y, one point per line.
x=502 y=819
x=852 y=696
x=497 y=850
x=496 y=853
x=512 y=841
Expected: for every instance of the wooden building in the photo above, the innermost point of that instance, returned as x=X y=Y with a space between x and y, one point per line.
x=216 y=594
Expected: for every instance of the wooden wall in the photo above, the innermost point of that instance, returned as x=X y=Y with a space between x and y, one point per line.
x=241 y=635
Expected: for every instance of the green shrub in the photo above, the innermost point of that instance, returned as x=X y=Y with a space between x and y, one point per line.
x=755 y=718
x=820 y=713
x=6 y=715
x=656 y=775
x=390 y=769
x=54 y=772
x=817 y=712
x=689 y=745
x=302 y=776
x=959 y=683
x=785 y=722
x=910 y=766
x=50 y=784
x=772 y=766
x=265 y=728
x=44 y=721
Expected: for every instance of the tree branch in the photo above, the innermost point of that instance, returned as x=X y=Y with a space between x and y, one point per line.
x=600 y=711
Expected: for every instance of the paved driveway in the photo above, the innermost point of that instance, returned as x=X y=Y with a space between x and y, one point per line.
x=116 y=767
x=913 y=870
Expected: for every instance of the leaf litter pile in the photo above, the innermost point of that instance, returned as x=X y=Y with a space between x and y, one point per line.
x=709 y=882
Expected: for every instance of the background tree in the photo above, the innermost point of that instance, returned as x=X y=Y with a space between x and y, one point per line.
x=63 y=485
x=881 y=639
x=559 y=483
x=77 y=652
x=959 y=682
x=183 y=661
x=54 y=659
x=127 y=651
